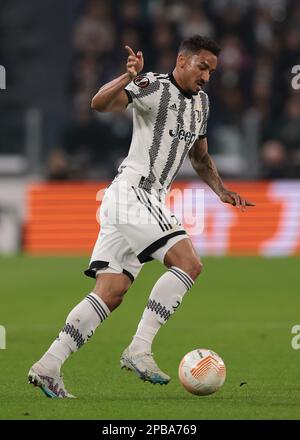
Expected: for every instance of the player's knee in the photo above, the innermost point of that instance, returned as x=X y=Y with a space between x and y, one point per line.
x=112 y=289
x=195 y=269
x=199 y=268
x=117 y=300
x=118 y=290
x=117 y=294
x=192 y=267
x=122 y=289
x=113 y=296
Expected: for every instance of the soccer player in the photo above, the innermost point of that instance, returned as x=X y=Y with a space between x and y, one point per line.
x=170 y=113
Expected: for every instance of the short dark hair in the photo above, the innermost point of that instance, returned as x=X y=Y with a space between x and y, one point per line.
x=196 y=43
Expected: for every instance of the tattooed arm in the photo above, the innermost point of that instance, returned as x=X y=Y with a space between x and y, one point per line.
x=206 y=169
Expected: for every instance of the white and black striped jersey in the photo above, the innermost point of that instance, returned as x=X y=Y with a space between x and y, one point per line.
x=166 y=123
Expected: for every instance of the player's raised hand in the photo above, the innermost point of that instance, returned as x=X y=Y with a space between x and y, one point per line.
x=235 y=200
x=135 y=62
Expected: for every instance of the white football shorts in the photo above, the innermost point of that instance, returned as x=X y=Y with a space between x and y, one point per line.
x=135 y=227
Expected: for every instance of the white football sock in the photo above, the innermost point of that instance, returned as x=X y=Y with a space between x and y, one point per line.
x=80 y=325
x=164 y=299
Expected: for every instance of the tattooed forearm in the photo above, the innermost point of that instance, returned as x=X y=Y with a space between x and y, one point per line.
x=206 y=169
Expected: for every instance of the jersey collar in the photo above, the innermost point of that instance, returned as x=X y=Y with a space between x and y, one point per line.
x=173 y=81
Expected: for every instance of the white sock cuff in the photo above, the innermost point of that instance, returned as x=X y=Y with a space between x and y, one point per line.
x=99 y=305
x=182 y=276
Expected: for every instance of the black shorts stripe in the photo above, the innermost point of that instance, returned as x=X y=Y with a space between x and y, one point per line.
x=145 y=255
x=160 y=212
x=97 y=265
x=130 y=276
x=149 y=203
x=153 y=213
x=149 y=209
x=141 y=192
x=164 y=215
x=94 y=267
x=157 y=210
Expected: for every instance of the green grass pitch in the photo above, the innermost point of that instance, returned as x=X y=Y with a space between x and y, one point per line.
x=243 y=308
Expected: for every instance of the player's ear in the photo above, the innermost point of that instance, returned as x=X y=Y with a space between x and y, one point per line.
x=181 y=59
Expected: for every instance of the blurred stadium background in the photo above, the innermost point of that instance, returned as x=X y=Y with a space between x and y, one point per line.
x=55 y=153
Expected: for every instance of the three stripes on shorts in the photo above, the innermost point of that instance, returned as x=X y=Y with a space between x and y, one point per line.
x=155 y=211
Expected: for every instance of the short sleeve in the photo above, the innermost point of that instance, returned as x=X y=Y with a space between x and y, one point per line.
x=204 y=115
x=142 y=90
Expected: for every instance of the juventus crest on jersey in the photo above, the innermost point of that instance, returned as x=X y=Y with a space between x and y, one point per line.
x=166 y=123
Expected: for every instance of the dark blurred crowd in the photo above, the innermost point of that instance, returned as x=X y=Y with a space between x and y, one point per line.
x=254 y=108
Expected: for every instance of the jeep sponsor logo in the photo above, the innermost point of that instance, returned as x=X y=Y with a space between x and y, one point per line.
x=187 y=136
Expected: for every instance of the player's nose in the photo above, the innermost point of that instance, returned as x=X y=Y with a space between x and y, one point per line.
x=205 y=76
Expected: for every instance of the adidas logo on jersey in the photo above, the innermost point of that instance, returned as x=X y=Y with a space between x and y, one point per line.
x=187 y=136
x=173 y=107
